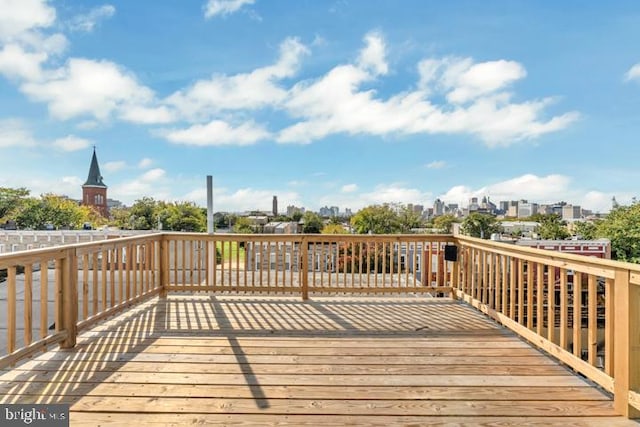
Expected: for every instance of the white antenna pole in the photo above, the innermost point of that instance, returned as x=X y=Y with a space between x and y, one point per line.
x=209 y=204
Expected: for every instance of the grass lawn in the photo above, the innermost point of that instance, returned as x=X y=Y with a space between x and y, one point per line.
x=230 y=250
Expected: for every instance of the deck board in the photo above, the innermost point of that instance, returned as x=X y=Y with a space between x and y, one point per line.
x=265 y=360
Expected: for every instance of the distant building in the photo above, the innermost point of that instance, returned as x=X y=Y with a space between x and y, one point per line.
x=292 y=210
x=438 y=208
x=571 y=212
x=275 y=206
x=600 y=248
x=512 y=209
x=112 y=203
x=94 y=190
x=526 y=209
x=525 y=228
x=324 y=211
x=281 y=228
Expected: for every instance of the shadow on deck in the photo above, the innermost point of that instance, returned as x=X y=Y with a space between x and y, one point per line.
x=264 y=360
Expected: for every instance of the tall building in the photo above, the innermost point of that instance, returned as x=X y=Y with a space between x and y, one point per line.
x=292 y=210
x=526 y=209
x=571 y=212
x=438 y=207
x=275 y=205
x=94 y=190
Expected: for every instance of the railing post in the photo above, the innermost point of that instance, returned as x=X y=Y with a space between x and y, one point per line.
x=163 y=266
x=626 y=345
x=304 y=260
x=69 y=298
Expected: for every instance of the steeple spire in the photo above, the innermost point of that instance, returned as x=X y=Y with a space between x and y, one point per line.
x=95 y=178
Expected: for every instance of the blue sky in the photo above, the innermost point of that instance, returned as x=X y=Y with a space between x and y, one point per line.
x=346 y=102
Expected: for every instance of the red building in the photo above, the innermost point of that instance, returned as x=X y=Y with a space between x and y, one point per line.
x=94 y=191
x=596 y=248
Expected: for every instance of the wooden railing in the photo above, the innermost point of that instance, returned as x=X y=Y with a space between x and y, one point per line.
x=303 y=264
x=582 y=310
x=51 y=294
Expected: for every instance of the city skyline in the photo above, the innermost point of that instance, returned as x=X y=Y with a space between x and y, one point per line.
x=342 y=103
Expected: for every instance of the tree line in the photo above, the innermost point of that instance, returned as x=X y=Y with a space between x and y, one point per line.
x=621 y=226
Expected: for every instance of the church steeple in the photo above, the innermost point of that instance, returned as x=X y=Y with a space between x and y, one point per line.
x=94 y=190
x=95 y=178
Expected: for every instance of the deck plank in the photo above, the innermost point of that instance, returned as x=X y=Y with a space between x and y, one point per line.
x=330 y=361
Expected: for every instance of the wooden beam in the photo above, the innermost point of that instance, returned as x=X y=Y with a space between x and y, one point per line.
x=69 y=298
x=626 y=366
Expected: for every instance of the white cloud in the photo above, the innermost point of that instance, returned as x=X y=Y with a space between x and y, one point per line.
x=253 y=90
x=224 y=7
x=72 y=180
x=537 y=189
x=153 y=174
x=436 y=164
x=145 y=163
x=477 y=103
x=249 y=199
x=349 y=188
x=463 y=81
x=89 y=21
x=382 y=193
x=147 y=115
x=115 y=166
x=43 y=184
x=88 y=87
x=19 y=16
x=88 y=125
x=15 y=62
x=541 y=189
x=633 y=73
x=71 y=143
x=243 y=199
x=152 y=183
x=14 y=133
x=372 y=57
x=217 y=132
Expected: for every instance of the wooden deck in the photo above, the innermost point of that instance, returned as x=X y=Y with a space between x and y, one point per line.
x=328 y=361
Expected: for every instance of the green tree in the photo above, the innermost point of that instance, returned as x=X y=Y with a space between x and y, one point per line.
x=183 y=216
x=312 y=223
x=120 y=218
x=480 y=225
x=622 y=228
x=376 y=219
x=11 y=200
x=143 y=214
x=58 y=211
x=334 y=229
x=444 y=223
x=242 y=225
x=408 y=219
x=335 y=220
x=585 y=229
x=551 y=226
x=221 y=220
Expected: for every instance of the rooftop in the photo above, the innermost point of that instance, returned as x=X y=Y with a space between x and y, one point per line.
x=154 y=331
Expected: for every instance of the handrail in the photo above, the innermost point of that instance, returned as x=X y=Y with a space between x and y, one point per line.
x=307 y=263
x=71 y=287
x=582 y=310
